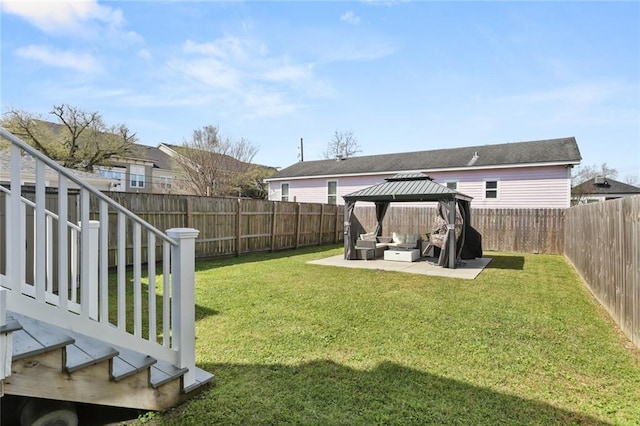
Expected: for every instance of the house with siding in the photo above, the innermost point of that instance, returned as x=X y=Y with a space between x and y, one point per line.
x=149 y=170
x=602 y=188
x=533 y=174
x=28 y=175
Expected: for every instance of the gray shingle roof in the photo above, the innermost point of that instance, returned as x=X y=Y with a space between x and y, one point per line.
x=609 y=187
x=28 y=166
x=563 y=151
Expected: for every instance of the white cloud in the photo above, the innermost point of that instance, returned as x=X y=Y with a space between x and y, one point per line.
x=144 y=54
x=81 y=62
x=82 y=19
x=62 y=15
x=350 y=17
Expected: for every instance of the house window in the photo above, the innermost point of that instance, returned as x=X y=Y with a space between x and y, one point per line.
x=165 y=182
x=284 y=192
x=452 y=185
x=136 y=176
x=332 y=192
x=115 y=174
x=491 y=189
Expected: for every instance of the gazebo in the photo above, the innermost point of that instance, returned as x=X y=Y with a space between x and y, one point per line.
x=412 y=187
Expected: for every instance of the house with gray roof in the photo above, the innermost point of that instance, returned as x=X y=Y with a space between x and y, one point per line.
x=148 y=170
x=28 y=175
x=534 y=174
x=602 y=188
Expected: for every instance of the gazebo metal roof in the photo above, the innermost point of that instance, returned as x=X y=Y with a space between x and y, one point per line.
x=407 y=187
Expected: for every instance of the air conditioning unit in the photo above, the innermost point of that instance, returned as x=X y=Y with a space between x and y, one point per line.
x=599 y=180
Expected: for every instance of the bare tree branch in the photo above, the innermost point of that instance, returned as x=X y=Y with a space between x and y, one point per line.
x=343 y=144
x=216 y=165
x=78 y=139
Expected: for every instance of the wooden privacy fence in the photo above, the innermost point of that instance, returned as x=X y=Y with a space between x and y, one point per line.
x=602 y=240
x=233 y=226
x=513 y=230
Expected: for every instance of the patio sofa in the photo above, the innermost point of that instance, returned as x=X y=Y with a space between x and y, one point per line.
x=405 y=241
x=368 y=246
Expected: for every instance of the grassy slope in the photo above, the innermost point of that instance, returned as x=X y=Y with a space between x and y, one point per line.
x=293 y=343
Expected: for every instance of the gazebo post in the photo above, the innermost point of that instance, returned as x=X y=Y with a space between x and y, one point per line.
x=451 y=234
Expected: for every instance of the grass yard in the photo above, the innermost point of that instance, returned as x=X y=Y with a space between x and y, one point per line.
x=293 y=343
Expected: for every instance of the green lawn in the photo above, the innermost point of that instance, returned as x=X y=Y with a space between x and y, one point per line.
x=293 y=343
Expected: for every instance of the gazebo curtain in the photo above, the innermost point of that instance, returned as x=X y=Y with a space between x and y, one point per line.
x=452 y=246
x=349 y=239
x=381 y=210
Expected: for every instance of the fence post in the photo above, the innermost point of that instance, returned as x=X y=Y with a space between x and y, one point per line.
x=321 y=223
x=336 y=234
x=273 y=226
x=183 y=317
x=298 y=214
x=239 y=229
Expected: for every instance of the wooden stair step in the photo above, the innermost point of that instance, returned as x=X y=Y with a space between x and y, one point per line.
x=202 y=378
x=87 y=351
x=11 y=325
x=128 y=363
x=162 y=372
x=36 y=337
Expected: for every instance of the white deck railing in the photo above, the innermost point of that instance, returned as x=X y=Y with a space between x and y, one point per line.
x=112 y=305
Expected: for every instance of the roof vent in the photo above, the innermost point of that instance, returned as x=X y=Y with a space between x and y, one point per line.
x=473 y=159
x=339 y=157
x=599 y=180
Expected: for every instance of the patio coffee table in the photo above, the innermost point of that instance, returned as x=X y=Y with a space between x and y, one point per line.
x=402 y=255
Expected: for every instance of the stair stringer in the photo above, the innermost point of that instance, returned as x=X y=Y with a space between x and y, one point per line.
x=53 y=371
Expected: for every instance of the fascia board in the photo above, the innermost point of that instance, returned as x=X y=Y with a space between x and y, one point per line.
x=448 y=169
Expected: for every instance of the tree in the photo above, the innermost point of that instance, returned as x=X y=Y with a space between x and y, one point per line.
x=216 y=165
x=584 y=173
x=343 y=144
x=632 y=180
x=78 y=140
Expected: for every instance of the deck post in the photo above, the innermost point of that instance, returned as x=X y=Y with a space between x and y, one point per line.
x=183 y=318
x=5 y=341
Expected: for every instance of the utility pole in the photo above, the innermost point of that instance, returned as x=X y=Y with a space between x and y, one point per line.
x=301 y=150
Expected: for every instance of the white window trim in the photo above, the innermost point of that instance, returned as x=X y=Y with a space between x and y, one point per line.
x=447 y=182
x=288 y=190
x=327 y=190
x=484 y=189
x=143 y=174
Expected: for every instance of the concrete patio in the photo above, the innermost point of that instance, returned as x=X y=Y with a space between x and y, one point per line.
x=467 y=269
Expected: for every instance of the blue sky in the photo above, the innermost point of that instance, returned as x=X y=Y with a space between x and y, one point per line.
x=401 y=75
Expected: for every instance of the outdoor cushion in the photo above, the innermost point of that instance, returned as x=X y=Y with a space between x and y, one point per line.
x=405 y=240
x=399 y=238
x=368 y=237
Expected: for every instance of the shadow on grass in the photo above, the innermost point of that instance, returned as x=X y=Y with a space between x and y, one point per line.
x=501 y=261
x=323 y=392
x=207 y=263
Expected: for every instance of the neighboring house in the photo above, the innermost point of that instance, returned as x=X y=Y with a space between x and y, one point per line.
x=512 y=175
x=149 y=170
x=28 y=175
x=220 y=162
x=601 y=188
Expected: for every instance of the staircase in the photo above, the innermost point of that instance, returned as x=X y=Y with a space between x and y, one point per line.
x=96 y=305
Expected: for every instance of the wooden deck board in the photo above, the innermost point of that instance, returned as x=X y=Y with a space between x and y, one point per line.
x=24 y=345
x=163 y=372
x=49 y=336
x=129 y=362
x=87 y=351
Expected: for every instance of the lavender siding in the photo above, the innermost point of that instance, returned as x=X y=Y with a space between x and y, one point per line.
x=524 y=187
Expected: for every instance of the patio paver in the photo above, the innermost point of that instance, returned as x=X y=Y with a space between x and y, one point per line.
x=467 y=269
